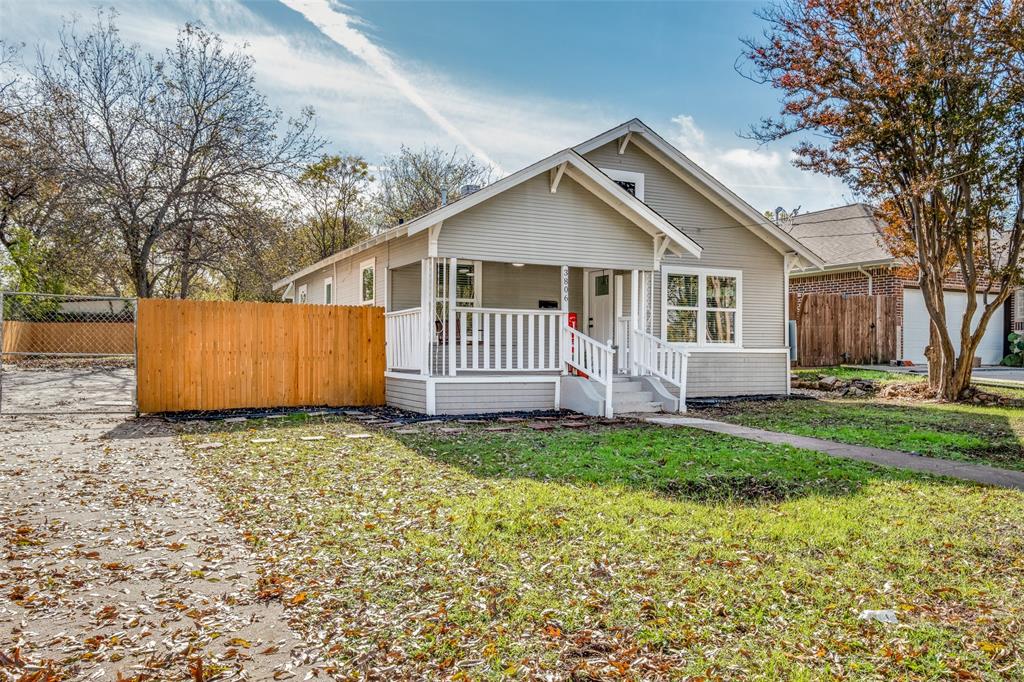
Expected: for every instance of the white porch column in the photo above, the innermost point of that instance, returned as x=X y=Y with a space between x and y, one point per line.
x=452 y=332
x=562 y=337
x=426 y=313
x=634 y=316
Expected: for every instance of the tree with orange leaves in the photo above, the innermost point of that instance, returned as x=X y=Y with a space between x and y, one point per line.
x=919 y=106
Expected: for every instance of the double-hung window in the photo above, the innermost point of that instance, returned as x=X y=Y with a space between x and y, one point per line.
x=329 y=290
x=367 y=284
x=701 y=307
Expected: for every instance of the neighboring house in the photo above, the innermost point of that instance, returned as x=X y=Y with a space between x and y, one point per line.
x=848 y=239
x=676 y=287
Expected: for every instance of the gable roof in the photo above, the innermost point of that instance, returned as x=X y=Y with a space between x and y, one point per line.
x=845 y=237
x=575 y=166
x=585 y=173
x=637 y=132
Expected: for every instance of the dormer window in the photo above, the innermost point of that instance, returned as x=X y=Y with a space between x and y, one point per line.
x=630 y=181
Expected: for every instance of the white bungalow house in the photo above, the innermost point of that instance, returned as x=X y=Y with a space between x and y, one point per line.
x=615 y=276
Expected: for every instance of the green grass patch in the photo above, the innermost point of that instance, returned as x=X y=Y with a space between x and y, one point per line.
x=620 y=553
x=970 y=433
x=851 y=373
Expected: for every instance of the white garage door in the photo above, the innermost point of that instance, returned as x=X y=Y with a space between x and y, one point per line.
x=916 y=323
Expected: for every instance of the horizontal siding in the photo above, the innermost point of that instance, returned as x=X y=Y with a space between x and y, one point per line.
x=727 y=244
x=393 y=254
x=527 y=223
x=506 y=286
x=404 y=287
x=735 y=373
x=501 y=396
x=406 y=394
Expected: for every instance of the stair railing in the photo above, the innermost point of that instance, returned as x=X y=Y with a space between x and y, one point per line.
x=590 y=357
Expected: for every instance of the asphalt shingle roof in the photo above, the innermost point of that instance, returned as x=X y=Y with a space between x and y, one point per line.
x=842 y=236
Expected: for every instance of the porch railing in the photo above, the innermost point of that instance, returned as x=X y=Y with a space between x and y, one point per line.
x=403 y=331
x=643 y=353
x=592 y=358
x=654 y=356
x=504 y=340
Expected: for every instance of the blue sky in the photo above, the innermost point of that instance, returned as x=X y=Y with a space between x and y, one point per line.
x=509 y=81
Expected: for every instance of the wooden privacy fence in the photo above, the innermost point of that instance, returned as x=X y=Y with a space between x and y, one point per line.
x=210 y=355
x=833 y=329
x=115 y=338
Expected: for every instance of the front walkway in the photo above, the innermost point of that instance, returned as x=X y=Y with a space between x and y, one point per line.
x=992 y=375
x=1005 y=478
x=117 y=564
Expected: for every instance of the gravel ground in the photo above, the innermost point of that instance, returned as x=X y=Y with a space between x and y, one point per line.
x=67 y=390
x=116 y=565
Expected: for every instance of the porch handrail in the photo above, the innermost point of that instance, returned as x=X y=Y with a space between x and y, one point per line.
x=403 y=339
x=651 y=355
x=504 y=340
x=591 y=357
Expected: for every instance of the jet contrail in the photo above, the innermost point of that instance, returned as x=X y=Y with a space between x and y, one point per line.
x=338 y=27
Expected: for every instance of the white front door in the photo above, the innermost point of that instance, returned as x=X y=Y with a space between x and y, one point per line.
x=600 y=326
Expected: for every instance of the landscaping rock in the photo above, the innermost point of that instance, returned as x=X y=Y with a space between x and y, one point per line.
x=541 y=426
x=313 y=438
x=829 y=383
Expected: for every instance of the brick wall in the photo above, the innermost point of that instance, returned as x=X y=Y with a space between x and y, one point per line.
x=852 y=283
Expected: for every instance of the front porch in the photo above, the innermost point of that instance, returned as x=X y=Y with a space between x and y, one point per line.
x=489 y=336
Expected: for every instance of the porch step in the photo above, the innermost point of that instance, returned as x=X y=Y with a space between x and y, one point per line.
x=630 y=395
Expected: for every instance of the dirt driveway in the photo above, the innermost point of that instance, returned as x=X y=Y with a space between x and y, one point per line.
x=115 y=564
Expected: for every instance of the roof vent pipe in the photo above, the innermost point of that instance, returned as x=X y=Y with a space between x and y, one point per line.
x=444 y=197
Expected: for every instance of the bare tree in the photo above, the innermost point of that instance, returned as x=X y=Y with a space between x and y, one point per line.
x=334 y=200
x=413 y=183
x=165 y=145
x=46 y=234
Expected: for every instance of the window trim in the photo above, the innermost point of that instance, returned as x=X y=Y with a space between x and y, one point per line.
x=369 y=264
x=301 y=294
x=1018 y=306
x=329 y=299
x=702 y=307
x=627 y=176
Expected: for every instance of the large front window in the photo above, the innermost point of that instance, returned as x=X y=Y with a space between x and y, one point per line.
x=701 y=307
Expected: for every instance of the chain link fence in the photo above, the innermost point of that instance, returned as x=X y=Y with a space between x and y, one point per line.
x=64 y=354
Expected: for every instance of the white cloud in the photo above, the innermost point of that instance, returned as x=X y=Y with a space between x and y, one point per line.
x=359 y=110
x=764 y=177
x=340 y=27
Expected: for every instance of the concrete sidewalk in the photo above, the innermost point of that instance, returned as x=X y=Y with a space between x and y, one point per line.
x=978 y=473
x=992 y=375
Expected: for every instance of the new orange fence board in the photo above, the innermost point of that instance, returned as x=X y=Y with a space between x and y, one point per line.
x=213 y=355
x=116 y=338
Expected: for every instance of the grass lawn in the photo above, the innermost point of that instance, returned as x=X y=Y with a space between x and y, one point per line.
x=620 y=553
x=973 y=433
x=849 y=373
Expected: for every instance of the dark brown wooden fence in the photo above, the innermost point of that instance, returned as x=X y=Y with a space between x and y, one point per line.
x=833 y=329
x=210 y=355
